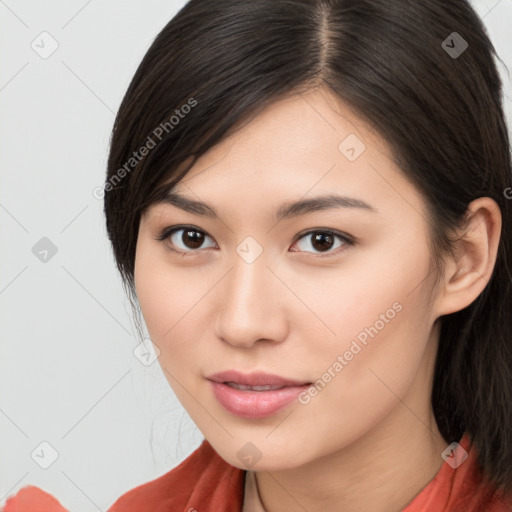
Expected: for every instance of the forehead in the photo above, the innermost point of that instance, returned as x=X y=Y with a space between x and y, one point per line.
x=299 y=129
x=302 y=145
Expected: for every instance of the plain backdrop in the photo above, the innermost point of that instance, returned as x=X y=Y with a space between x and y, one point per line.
x=74 y=397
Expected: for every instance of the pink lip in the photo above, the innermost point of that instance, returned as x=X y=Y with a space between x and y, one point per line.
x=255 y=404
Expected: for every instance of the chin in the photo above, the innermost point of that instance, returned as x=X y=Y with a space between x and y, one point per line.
x=262 y=455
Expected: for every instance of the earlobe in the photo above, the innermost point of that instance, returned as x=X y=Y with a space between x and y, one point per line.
x=469 y=269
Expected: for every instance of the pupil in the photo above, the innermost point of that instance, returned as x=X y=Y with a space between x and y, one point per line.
x=192 y=239
x=325 y=240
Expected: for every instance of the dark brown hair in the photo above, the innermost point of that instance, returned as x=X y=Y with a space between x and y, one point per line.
x=400 y=66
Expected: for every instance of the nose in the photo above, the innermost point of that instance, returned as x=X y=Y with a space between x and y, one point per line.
x=252 y=305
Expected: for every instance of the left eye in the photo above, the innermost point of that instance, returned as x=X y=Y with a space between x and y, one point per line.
x=322 y=241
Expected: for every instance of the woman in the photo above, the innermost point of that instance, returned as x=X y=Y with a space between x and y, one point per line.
x=309 y=201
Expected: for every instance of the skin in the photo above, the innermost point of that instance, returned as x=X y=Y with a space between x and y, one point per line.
x=368 y=441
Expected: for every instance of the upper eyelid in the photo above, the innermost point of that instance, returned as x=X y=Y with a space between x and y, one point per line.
x=170 y=230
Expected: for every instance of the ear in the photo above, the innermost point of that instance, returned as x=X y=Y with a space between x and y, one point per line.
x=469 y=269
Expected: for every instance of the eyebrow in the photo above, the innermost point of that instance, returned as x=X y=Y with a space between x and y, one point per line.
x=287 y=210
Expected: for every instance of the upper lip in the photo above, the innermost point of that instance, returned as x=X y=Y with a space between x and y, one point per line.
x=254 y=379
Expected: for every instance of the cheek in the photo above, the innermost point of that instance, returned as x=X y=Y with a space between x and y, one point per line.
x=358 y=383
x=165 y=298
x=171 y=298
x=349 y=299
x=378 y=313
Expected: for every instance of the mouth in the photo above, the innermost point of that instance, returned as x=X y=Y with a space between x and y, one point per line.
x=256 y=395
x=255 y=379
x=244 y=387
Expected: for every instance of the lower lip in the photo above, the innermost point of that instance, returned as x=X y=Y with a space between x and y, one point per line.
x=255 y=404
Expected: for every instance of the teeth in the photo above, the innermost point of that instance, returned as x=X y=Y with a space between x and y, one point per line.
x=266 y=388
x=243 y=387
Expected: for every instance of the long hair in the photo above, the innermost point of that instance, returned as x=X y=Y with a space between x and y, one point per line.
x=423 y=74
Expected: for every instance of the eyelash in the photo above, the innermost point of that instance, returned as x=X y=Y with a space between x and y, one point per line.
x=167 y=232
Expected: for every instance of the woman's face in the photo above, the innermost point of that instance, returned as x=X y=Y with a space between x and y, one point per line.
x=332 y=297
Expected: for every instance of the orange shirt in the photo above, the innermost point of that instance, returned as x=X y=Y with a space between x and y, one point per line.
x=204 y=482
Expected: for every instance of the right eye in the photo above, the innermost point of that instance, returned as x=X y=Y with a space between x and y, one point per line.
x=184 y=240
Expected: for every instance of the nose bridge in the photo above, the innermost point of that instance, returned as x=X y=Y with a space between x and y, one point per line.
x=248 y=309
x=250 y=275
x=248 y=281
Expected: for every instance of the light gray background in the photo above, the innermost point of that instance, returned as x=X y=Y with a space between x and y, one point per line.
x=68 y=375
